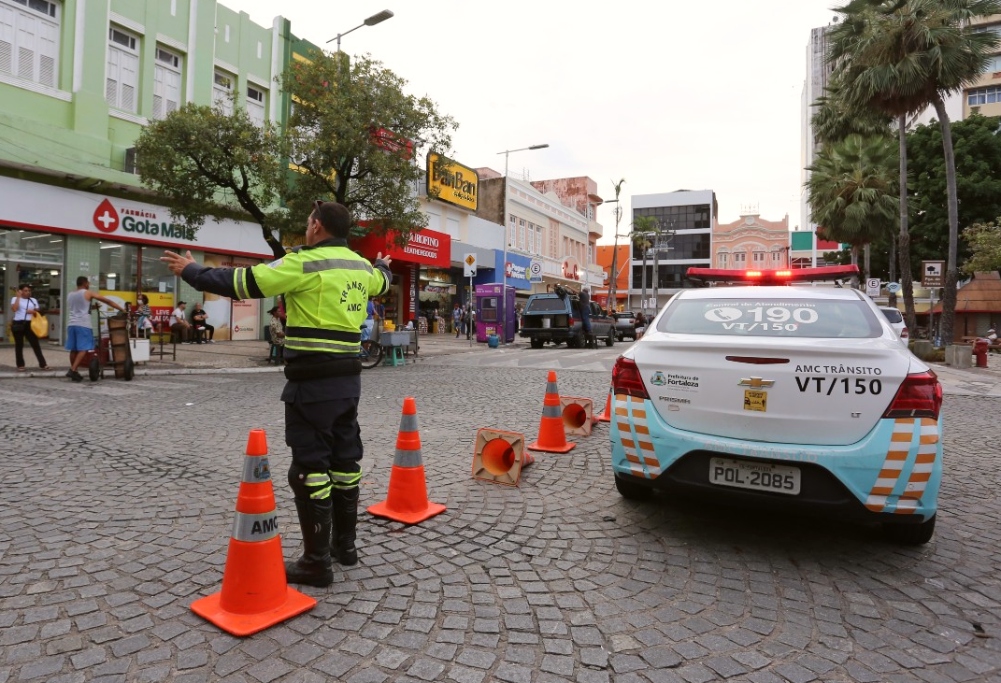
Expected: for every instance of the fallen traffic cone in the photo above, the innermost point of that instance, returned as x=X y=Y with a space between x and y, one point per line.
x=577 y=414
x=499 y=456
x=606 y=415
x=552 y=438
x=407 y=500
x=254 y=592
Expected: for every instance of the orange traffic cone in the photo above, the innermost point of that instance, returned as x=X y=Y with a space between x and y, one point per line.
x=552 y=438
x=254 y=592
x=577 y=414
x=500 y=456
x=407 y=500
x=606 y=415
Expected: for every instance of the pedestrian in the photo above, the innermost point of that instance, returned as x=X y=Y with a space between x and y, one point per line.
x=180 y=328
x=326 y=287
x=585 y=315
x=79 y=333
x=368 y=325
x=200 y=325
x=144 y=317
x=456 y=318
x=277 y=332
x=25 y=307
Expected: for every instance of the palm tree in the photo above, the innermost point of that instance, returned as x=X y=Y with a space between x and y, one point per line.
x=898 y=56
x=853 y=191
x=644 y=230
x=615 y=248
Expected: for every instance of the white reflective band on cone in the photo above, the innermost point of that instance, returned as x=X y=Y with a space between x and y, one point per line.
x=256 y=469
x=253 y=528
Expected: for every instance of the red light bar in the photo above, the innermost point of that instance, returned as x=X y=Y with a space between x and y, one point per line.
x=773 y=277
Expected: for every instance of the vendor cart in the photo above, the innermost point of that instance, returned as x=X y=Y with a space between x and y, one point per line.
x=112 y=350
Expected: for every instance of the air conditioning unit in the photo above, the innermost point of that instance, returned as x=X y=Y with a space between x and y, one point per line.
x=131 y=160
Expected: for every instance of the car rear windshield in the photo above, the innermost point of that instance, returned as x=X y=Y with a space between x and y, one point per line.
x=547 y=305
x=892 y=314
x=624 y=316
x=793 y=317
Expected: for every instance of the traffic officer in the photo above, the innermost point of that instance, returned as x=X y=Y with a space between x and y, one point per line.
x=326 y=288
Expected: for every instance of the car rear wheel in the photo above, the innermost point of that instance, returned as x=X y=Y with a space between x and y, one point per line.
x=910 y=534
x=537 y=343
x=630 y=490
x=611 y=340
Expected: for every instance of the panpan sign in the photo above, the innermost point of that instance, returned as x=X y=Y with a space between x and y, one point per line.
x=454 y=183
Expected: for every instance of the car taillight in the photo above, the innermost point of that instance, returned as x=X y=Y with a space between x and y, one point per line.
x=920 y=395
x=626 y=379
x=904 y=334
x=570 y=321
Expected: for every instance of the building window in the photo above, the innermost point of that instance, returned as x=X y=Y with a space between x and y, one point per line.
x=29 y=40
x=166 y=83
x=739 y=259
x=776 y=257
x=759 y=258
x=989 y=95
x=722 y=259
x=512 y=229
x=222 y=92
x=255 y=105
x=122 y=77
x=521 y=234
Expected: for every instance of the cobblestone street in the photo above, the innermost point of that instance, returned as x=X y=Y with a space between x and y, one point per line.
x=118 y=504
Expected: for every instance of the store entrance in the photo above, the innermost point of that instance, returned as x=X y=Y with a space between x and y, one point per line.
x=33 y=258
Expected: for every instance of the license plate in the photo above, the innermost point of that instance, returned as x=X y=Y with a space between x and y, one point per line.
x=755 y=400
x=759 y=476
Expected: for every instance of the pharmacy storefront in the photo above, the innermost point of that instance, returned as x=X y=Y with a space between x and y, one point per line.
x=51 y=235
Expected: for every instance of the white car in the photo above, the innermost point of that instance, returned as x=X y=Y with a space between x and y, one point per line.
x=781 y=396
x=896 y=320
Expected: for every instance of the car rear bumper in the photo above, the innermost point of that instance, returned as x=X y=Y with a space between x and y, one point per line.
x=879 y=478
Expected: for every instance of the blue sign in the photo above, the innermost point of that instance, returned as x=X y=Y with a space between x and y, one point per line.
x=893 y=287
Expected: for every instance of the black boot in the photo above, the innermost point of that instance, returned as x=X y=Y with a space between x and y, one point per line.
x=342 y=546
x=314 y=567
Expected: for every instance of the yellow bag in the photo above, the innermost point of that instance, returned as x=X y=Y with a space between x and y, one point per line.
x=40 y=326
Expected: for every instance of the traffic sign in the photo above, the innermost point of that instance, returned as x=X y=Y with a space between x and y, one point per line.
x=469 y=265
x=535 y=271
x=893 y=287
x=872 y=286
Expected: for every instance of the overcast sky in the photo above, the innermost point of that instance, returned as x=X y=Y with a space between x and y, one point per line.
x=668 y=95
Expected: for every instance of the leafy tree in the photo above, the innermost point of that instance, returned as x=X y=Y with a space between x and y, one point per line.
x=203 y=162
x=644 y=231
x=898 y=56
x=977 y=143
x=985 y=244
x=853 y=191
x=836 y=117
x=352 y=133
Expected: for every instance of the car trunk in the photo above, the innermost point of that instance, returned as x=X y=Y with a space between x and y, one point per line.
x=809 y=391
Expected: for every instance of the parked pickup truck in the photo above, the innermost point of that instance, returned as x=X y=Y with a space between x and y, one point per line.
x=555 y=317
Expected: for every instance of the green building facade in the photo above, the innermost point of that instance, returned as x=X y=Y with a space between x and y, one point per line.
x=78 y=81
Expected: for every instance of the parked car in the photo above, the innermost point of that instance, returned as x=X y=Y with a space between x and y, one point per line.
x=781 y=397
x=555 y=317
x=896 y=320
x=625 y=325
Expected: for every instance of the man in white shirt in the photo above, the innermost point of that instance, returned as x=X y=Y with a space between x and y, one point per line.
x=180 y=328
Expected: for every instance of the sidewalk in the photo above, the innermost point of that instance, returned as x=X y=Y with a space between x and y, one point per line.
x=225 y=356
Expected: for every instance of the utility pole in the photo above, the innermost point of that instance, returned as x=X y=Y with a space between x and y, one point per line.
x=612 y=302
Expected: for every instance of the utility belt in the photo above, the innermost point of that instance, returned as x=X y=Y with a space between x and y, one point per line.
x=321 y=366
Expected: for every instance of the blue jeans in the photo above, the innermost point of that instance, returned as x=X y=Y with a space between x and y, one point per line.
x=366 y=330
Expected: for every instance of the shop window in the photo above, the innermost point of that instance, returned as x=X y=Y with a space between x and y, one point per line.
x=29 y=40
x=119 y=266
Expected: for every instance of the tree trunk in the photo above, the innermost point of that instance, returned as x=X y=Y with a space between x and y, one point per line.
x=866 y=252
x=904 y=240
x=892 y=296
x=951 y=275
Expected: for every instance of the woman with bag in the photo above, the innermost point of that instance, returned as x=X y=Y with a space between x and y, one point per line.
x=24 y=308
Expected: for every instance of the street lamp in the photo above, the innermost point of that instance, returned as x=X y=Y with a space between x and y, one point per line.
x=503 y=319
x=371 y=21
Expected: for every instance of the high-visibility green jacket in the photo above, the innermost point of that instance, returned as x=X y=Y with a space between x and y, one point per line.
x=326 y=288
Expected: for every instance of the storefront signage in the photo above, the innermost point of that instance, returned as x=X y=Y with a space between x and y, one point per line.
x=453 y=182
x=570 y=268
x=36 y=206
x=516 y=271
x=425 y=247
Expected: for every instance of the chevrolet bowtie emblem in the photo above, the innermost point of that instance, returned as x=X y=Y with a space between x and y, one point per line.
x=755 y=382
